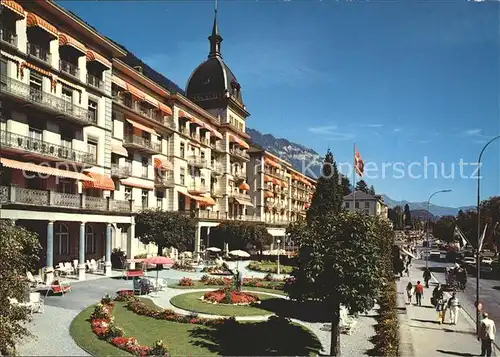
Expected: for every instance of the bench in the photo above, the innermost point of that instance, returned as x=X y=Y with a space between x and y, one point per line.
x=133 y=273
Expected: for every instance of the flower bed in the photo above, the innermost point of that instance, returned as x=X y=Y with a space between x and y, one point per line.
x=215 y=271
x=269 y=267
x=183 y=267
x=186 y=282
x=268 y=282
x=225 y=296
x=102 y=324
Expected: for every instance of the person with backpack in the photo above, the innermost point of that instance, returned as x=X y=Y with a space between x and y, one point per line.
x=454 y=306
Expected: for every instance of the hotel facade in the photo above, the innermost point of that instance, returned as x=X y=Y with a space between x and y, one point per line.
x=90 y=136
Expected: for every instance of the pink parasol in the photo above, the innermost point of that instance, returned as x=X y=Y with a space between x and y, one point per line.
x=158 y=260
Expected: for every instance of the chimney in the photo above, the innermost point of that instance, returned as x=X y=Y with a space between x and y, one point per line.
x=138 y=69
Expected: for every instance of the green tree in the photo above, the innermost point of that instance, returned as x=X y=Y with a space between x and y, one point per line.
x=165 y=229
x=372 y=190
x=339 y=263
x=346 y=186
x=362 y=186
x=329 y=193
x=19 y=253
x=394 y=217
x=241 y=235
x=407 y=217
x=444 y=229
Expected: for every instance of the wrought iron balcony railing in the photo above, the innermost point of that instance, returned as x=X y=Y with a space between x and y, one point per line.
x=94 y=81
x=8 y=36
x=68 y=67
x=35 y=50
x=143 y=142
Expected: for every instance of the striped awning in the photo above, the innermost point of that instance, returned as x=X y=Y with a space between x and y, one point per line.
x=212 y=131
x=206 y=201
x=268 y=178
x=197 y=121
x=163 y=164
x=268 y=194
x=183 y=114
x=151 y=100
x=46 y=170
x=284 y=184
x=35 y=68
x=271 y=163
x=94 y=56
x=136 y=92
x=238 y=141
x=119 y=149
x=244 y=202
x=67 y=40
x=119 y=82
x=101 y=182
x=193 y=197
x=164 y=108
x=34 y=20
x=142 y=127
x=275 y=181
x=244 y=186
x=134 y=182
x=14 y=6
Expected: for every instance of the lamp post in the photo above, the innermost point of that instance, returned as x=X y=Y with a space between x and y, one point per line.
x=478 y=259
x=278 y=241
x=429 y=223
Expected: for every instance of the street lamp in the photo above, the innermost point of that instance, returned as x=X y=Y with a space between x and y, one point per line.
x=478 y=260
x=278 y=241
x=429 y=223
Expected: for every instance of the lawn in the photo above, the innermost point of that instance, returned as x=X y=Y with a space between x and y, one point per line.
x=192 y=302
x=239 y=339
x=199 y=285
x=270 y=267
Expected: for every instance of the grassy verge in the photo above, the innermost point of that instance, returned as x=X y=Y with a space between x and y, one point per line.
x=269 y=267
x=192 y=302
x=199 y=285
x=183 y=339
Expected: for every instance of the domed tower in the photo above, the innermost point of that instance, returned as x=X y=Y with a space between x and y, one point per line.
x=212 y=85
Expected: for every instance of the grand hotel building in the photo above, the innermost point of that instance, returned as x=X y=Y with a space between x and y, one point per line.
x=90 y=136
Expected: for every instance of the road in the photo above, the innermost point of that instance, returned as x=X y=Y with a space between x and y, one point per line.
x=489 y=292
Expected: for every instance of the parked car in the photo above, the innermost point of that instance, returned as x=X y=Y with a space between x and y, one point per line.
x=487 y=260
x=469 y=260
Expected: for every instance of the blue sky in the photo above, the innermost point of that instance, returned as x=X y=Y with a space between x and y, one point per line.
x=403 y=80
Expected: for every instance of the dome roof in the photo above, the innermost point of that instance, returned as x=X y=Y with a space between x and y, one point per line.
x=212 y=82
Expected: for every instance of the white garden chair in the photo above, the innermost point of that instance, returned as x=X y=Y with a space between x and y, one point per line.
x=37 y=302
x=29 y=305
x=35 y=281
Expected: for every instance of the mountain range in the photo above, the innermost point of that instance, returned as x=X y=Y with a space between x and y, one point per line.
x=309 y=162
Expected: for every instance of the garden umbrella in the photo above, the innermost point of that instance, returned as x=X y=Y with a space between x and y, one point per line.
x=158 y=260
x=239 y=254
x=214 y=249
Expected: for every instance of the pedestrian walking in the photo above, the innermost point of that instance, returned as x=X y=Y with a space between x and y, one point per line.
x=487 y=331
x=440 y=309
x=419 y=293
x=427 y=277
x=454 y=306
x=409 y=291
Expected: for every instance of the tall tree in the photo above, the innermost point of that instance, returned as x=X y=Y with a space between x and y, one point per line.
x=18 y=255
x=407 y=217
x=329 y=193
x=372 y=190
x=394 y=217
x=339 y=263
x=444 y=229
x=362 y=186
x=241 y=235
x=346 y=185
x=165 y=229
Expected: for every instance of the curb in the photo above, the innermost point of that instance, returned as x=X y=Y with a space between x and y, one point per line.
x=405 y=341
x=470 y=318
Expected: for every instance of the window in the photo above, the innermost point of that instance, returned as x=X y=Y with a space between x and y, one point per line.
x=202 y=182
x=65 y=186
x=183 y=150
x=144 y=199
x=159 y=199
x=347 y=205
x=35 y=133
x=92 y=149
x=3 y=73
x=183 y=179
x=128 y=193
x=144 y=167
x=93 y=111
x=367 y=204
x=357 y=204
x=35 y=86
x=202 y=154
x=61 y=239
x=90 y=241
x=67 y=94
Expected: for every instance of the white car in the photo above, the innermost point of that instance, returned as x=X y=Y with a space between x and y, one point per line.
x=469 y=260
x=487 y=260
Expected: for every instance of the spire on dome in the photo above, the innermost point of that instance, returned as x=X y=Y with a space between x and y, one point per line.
x=215 y=39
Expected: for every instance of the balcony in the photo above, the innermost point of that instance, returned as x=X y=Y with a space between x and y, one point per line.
x=239 y=174
x=46 y=198
x=39 y=52
x=244 y=217
x=217 y=192
x=197 y=161
x=216 y=169
x=167 y=180
x=16 y=142
x=141 y=144
x=194 y=136
x=217 y=146
x=138 y=109
x=69 y=68
x=240 y=195
x=198 y=187
x=46 y=101
x=120 y=171
x=8 y=37
x=95 y=82
x=240 y=154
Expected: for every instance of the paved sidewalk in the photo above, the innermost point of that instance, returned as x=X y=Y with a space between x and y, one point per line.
x=425 y=334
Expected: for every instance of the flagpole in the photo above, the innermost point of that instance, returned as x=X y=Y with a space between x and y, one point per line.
x=354 y=180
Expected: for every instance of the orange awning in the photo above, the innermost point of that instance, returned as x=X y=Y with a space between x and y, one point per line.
x=268 y=194
x=268 y=178
x=94 y=56
x=271 y=163
x=163 y=164
x=101 y=182
x=119 y=82
x=165 y=108
x=207 y=201
x=194 y=197
x=243 y=202
x=36 y=21
x=197 y=121
x=184 y=115
x=238 y=141
x=217 y=134
x=151 y=100
x=35 y=68
x=275 y=181
x=46 y=170
x=141 y=184
x=212 y=131
x=136 y=92
x=244 y=186
x=284 y=184
x=14 y=6
x=142 y=127
x=67 y=40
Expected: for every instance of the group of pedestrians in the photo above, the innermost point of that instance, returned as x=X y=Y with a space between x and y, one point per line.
x=487 y=328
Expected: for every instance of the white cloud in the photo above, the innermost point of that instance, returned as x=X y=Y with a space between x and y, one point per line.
x=397 y=130
x=331 y=132
x=329 y=129
x=473 y=132
x=373 y=125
